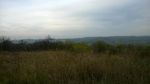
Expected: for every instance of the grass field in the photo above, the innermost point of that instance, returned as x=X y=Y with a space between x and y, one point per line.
x=62 y=67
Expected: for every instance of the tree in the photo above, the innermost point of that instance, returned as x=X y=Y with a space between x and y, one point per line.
x=101 y=46
x=6 y=44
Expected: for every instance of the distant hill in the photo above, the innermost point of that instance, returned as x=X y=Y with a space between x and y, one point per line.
x=116 y=39
x=111 y=40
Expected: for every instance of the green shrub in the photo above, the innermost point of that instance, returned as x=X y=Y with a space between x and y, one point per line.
x=145 y=51
x=81 y=47
x=100 y=46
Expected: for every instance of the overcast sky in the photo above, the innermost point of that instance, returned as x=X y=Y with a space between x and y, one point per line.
x=74 y=18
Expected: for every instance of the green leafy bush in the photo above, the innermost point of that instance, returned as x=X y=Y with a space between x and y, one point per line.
x=81 y=47
x=100 y=46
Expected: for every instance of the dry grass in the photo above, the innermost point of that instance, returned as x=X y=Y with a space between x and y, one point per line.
x=61 y=67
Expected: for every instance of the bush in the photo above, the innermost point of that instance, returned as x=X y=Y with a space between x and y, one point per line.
x=100 y=46
x=81 y=47
x=6 y=45
x=145 y=51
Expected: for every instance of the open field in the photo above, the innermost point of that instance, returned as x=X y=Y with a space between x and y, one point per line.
x=74 y=41
x=64 y=67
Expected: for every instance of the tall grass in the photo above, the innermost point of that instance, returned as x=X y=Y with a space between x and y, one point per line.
x=62 y=67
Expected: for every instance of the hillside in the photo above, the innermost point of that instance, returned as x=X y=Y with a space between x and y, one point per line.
x=140 y=40
x=116 y=39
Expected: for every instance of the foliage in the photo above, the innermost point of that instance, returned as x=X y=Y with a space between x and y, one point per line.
x=81 y=47
x=101 y=46
x=51 y=44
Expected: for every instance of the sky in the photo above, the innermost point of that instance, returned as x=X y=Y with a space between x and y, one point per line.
x=74 y=18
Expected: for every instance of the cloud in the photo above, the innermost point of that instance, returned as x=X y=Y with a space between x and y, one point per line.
x=74 y=18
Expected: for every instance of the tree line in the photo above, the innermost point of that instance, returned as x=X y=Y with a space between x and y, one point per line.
x=51 y=44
